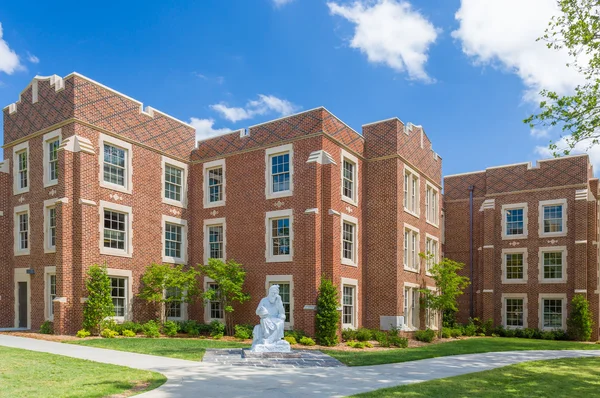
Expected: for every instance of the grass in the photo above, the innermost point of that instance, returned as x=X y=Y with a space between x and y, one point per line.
x=190 y=349
x=34 y=374
x=466 y=346
x=553 y=378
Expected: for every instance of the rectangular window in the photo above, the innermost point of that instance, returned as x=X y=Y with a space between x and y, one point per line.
x=174 y=304
x=414 y=250
x=514 y=266
x=514 y=222
x=552 y=315
x=514 y=312
x=414 y=193
x=348 y=241
x=285 y=293
x=411 y=249
x=23 y=231
x=406 y=189
x=51 y=294
x=406 y=252
x=349 y=180
x=173 y=240
x=431 y=205
x=115 y=230
x=280 y=172
x=411 y=307
x=173 y=183
x=280 y=236
x=215 y=241
x=215 y=308
x=119 y=295
x=23 y=174
x=348 y=305
x=53 y=159
x=553 y=218
x=553 y=267
x=431 y=318
x=431 y=248
x=411 y=192
x=115 y=165
x=52 y=227
x=406 y=313
x=215 y=185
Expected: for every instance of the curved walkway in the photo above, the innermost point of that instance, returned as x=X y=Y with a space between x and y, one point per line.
x=190 y=379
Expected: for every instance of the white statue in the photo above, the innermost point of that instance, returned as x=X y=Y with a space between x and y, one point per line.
x=268 y=335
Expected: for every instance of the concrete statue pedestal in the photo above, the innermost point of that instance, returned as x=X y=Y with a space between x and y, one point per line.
x=268 y=335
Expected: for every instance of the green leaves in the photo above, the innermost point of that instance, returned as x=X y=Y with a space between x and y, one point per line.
x=327 y=317
x=99 y=305
x=579 y=323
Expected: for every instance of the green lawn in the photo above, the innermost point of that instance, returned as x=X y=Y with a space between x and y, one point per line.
x=191 y=349
x=34 y=374
x=467 y=346
x=574 y=377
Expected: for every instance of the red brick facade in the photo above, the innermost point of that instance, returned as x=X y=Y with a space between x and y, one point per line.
x=89 y=117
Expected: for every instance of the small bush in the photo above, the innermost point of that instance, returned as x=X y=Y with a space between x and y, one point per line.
x=188 y=326
x=307 y=341
x=446 y=333
x=170 y=329
x=194 y=332
x=348 y=334
x=109 y=333
x=382 y=338
x=47 y=328
x=217 y=329
x=488 y=327
x=151 y=329
x=296 y=334
x=82 y=334
x=456 y=332
x=290 y=339
x=364 y=334
x=128 y=333
x=470 y=329
x=359 y=344
x=426 y=336
x=327 y=318
x=397 y=341
x=579 y=323
x=129 y=325
x=243 y=332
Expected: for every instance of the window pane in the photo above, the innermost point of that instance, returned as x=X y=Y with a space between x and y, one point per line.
x=514 y=266
x=216 y=311
x=553 y=218
x=215 y=241
x=552 y=313
x=118 y=295
x=114 y=165
x=173 y=240
x=553 y=265
x=173 y=183
x=114 y=230
x=348 y=241
x=280 y=235
x=215 y=185
x=348 y=305
x=514 y=312
x=280 y=172
x=514 y=222
x=348 y=179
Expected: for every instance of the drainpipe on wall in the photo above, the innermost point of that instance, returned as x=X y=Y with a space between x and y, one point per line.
x=471 y=248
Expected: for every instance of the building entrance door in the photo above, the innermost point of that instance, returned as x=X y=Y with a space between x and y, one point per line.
x=22 y=306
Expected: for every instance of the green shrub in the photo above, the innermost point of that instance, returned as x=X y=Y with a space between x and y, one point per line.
x=243 y=332
x=99 y=305
x=426 y=336
x=217 y=329
x=128 y=333
x=307 y=341
x=129 y=325
x=187 y=326
x=359 y=344
x=382 y=338
x=348 y=334
x=290 y=339
x=170 y=329
x=470 y=329
x=151 y=329
x=109 y=333
x=397 y=341
x=194 y=332
x=297 y=334
x=327 y=318
x=82 y=334
x=488 y=327
x=446 y=333
x=456 y=332
x=364 y=334
x=579 y=323
x=47 y=328
x=509 y=333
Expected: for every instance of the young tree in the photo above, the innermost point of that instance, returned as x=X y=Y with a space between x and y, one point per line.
x=579 y=323
x=229 y=276
x=449 y=285
x=576 y=29
x=327 y=317
x=160 y=279
x=99 y=305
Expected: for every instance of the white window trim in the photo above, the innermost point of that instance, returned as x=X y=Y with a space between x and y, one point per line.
x=352 y=159
x=412 y=287
x=542 y=250
x=525 y=309
x=411 y=261
x=274 y=279
x=354 y=221
x=103 y=138
x=207 y=317
x=437 y=255
x=268 y=217
x=184 y=311
x=214 y=222
x=128 y=252
x=436 y=314
x=184 y=240
x=21 y=275
x=550 y=296
x=268 y=181
x=206 y=193
x=184 y=175
x=353 y=283
x=17 y=250
x=544 y=203
x=121 y=273
x=48 y=271
x=418 y=193
x=51 y=136
x=435 y=222
x=48 y=204
x=525 y=220
x=24 y=146
x=507 y=281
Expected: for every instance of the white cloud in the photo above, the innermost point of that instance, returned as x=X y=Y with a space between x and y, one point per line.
x=205 y=128
x=32 y=58
x=9 y=60
x=263 y=105
x=593 y=151
x=539 y=133
x=281 y=3
x=390 y=32
x=217 y=79
x=503 y=33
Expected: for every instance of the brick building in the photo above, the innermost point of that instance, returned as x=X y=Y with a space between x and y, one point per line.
x=534 y=240
x=91 y=176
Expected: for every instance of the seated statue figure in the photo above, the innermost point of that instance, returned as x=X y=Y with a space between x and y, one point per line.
x=268 y=335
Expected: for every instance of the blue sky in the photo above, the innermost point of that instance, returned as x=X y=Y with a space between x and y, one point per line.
x=468 y=72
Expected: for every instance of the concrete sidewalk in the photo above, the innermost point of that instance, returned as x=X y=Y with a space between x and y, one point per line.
x=191 y=379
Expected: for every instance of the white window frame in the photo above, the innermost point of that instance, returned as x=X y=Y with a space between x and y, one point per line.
x=49 y=204
x=128 y=276
x=17 y=149
x=563 y=250
x=127 y=147
x=288 y=279
x=522 y=296
x=431 y=313
x=412 y=259
x=18 y=210
x=521 y=250
x=212 y=223
x=354 y=221
x=215 y=164
x=436 y=253
x=269 y=153
x=351 y=283
x=50 y=137
x=409 y=202
x=512 y=206
x=48 y=304
x=552 y=296
x=128 y=252
x=165 y=161
x=184 y=240
x=433 y=199
x=207 y=312
x=184 y=310
x=346 y=156
x=409 y=325
x=270 y=215
x=554 y=202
